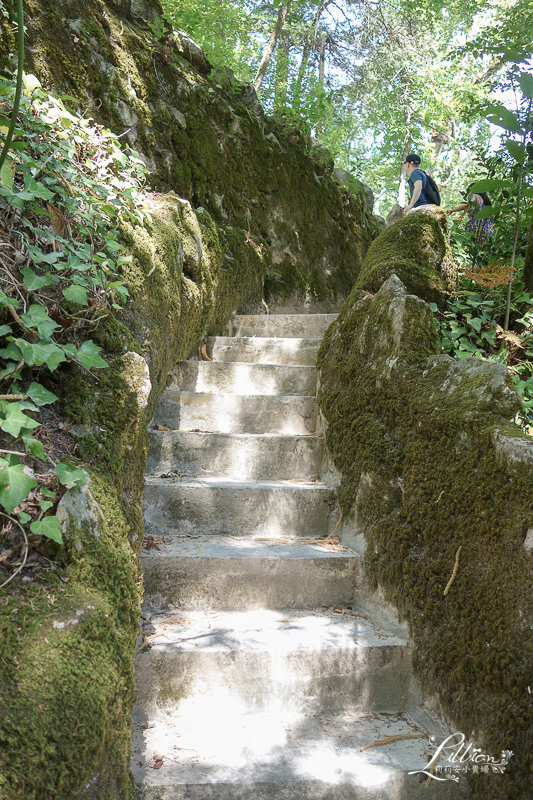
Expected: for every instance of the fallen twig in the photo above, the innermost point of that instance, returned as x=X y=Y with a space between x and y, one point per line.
x=454 y=573
x=390 y=739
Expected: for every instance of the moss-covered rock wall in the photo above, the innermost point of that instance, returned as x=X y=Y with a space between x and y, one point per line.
x=209 y=143
x=429 y=461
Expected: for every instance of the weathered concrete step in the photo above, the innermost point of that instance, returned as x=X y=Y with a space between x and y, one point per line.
x=263 y=350
x=240 y=456
x=282 y=325
x=313 y=662
x=218 y=753
x=225 y=573
x=239 y=508
x=226 y=413
x=235 y=378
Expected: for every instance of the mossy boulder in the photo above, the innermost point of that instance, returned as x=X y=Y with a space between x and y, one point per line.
x=429 y=461
x=416 y=249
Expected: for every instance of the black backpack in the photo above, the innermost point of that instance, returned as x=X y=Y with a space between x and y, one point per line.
x=431 y=190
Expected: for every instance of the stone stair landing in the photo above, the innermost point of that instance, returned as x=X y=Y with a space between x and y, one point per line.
x=257 y=676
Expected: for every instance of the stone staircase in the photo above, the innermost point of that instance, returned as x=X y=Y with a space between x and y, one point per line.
x=257 y=676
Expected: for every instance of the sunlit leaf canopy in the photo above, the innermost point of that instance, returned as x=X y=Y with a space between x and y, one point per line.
x=376 y=80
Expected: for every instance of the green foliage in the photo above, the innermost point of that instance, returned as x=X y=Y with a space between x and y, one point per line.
x=470 y=325
x=64 y=190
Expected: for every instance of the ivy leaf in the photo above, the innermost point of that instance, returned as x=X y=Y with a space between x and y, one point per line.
x=39 y=257
x=7 y=301
x=71 y=477
x=15 y=486
x=37 y=189
x=76 y=294
x=40 y=395
x=7 y=174
x=88 y=356
x=33 y=282
x=37 y=317
x=34 y=446
x=41 y=353
x=5 y=329
x=45 y=504
x=49 y=527
x=12 y=351
x=23 y=517
x=16 y=420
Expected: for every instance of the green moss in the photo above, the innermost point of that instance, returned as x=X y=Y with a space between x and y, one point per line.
x=417 y=251
x=66 y=666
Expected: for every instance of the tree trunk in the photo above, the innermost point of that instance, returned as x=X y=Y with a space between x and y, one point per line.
x=282 y=73
x=271 y=46
x=301 y=72
x=528 y=263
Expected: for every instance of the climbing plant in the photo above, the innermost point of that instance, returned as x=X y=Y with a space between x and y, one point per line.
x=65 y=187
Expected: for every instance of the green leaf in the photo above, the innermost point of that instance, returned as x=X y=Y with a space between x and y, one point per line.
x=501 y=116
x=41 y=353
x=5 y=329
x=39 y=257
x=11 y=352
x=23 y=517
x=7 y=173
x=526 y=84
x=16 y=419
x=37 y=317
x=517 y=150
x=488 y=184
x=487 y=211
x=7 y=301
x=40 y=395
x=475 y=323
x=49 y=527
x=37 y=189
x=88 y=356
x=45 y=505
x=33 y=282
x=76 y=294
x=34 y=446
x=71 y=477
x=15 y=486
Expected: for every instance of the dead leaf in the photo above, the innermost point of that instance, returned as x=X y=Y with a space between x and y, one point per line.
x=150 y=543
x=204 y=352
x=162 y=428
x=158 y=763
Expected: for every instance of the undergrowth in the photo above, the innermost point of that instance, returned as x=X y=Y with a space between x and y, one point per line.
x=471 y=324
x=64 y=188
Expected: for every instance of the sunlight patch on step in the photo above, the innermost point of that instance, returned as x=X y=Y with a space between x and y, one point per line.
x=336 y=767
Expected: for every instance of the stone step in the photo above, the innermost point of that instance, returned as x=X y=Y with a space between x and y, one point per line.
x=281 y=325
x=314 y=662
x=236 y=378
x=238 y=456
x=225 y=573
x=263 y=350
x=217 y=752
x=226 y=413
x=239 y=508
